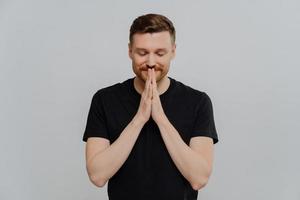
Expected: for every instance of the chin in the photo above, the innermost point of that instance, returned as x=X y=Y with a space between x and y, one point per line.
x=142 y=77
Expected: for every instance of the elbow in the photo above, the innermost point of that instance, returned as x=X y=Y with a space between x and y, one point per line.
x=99 y=182
x=96 y=178
x=200 y=179
x=197 y=185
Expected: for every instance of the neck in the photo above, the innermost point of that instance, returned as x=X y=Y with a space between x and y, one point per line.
x=162 y=85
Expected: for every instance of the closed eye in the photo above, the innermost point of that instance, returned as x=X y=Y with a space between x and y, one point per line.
x=145 y=53
x=142 y=53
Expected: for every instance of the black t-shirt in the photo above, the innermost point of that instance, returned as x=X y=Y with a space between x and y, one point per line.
x=149 y=172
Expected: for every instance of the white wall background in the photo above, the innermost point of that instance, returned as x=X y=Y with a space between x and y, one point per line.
x=54 y=55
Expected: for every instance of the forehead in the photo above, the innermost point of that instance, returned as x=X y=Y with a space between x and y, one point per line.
x=152 y=40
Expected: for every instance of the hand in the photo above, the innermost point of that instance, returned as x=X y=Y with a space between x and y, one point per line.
x=144 y=110
x=157 y=111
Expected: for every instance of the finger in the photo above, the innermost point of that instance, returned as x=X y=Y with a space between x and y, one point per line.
x=151 y=91
x=153 y=77
x=146 y=85
x=150 y=75
x=154 y=81
x=149 y=85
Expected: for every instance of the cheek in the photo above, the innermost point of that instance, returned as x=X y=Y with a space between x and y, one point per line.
x=138 y=60
x=165 y=61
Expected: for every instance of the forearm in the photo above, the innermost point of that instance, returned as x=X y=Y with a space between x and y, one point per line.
x=106 y=163
x=192 y=165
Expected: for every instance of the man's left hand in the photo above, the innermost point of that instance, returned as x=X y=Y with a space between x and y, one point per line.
x=157 y=112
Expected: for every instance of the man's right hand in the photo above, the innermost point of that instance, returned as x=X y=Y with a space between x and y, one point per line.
x=144 y=110
x=103 y=159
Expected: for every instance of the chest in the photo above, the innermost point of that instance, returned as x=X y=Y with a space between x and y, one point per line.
x=120 y=112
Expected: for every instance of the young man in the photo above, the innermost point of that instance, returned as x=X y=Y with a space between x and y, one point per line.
x=151 y=137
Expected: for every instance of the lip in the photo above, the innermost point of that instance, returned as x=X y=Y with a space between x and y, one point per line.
x=147 y=70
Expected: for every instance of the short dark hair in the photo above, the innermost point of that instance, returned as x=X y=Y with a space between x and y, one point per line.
x=152 y=23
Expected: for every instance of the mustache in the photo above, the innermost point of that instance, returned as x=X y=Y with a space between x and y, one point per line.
x=151 y=67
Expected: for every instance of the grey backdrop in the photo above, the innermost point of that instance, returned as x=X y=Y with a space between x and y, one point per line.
x=54 y=55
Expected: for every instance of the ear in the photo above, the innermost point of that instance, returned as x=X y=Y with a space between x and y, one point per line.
x=129 y=50
x=173 y=50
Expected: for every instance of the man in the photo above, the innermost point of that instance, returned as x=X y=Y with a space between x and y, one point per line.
x=151 y=137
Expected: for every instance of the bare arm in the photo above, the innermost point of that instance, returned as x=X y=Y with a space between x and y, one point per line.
x=104 y=160
x=194 y=161
x=102 y=165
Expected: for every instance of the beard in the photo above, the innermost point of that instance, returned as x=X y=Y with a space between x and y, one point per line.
x=142 y=72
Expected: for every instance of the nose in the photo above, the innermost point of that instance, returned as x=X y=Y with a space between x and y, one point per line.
x=150 y=66
x=151 y=61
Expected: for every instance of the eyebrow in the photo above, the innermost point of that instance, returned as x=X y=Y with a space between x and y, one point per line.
x=160 y=49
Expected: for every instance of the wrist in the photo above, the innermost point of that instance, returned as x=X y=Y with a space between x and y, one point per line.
x=161 y=120
x=138 y=120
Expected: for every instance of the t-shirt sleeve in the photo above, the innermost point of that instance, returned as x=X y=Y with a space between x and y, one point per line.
x=96 y=125
x=204 y=123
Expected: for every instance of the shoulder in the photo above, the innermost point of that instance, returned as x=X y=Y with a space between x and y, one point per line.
x=190 y=92
x=107 y=91
x=112 y=94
